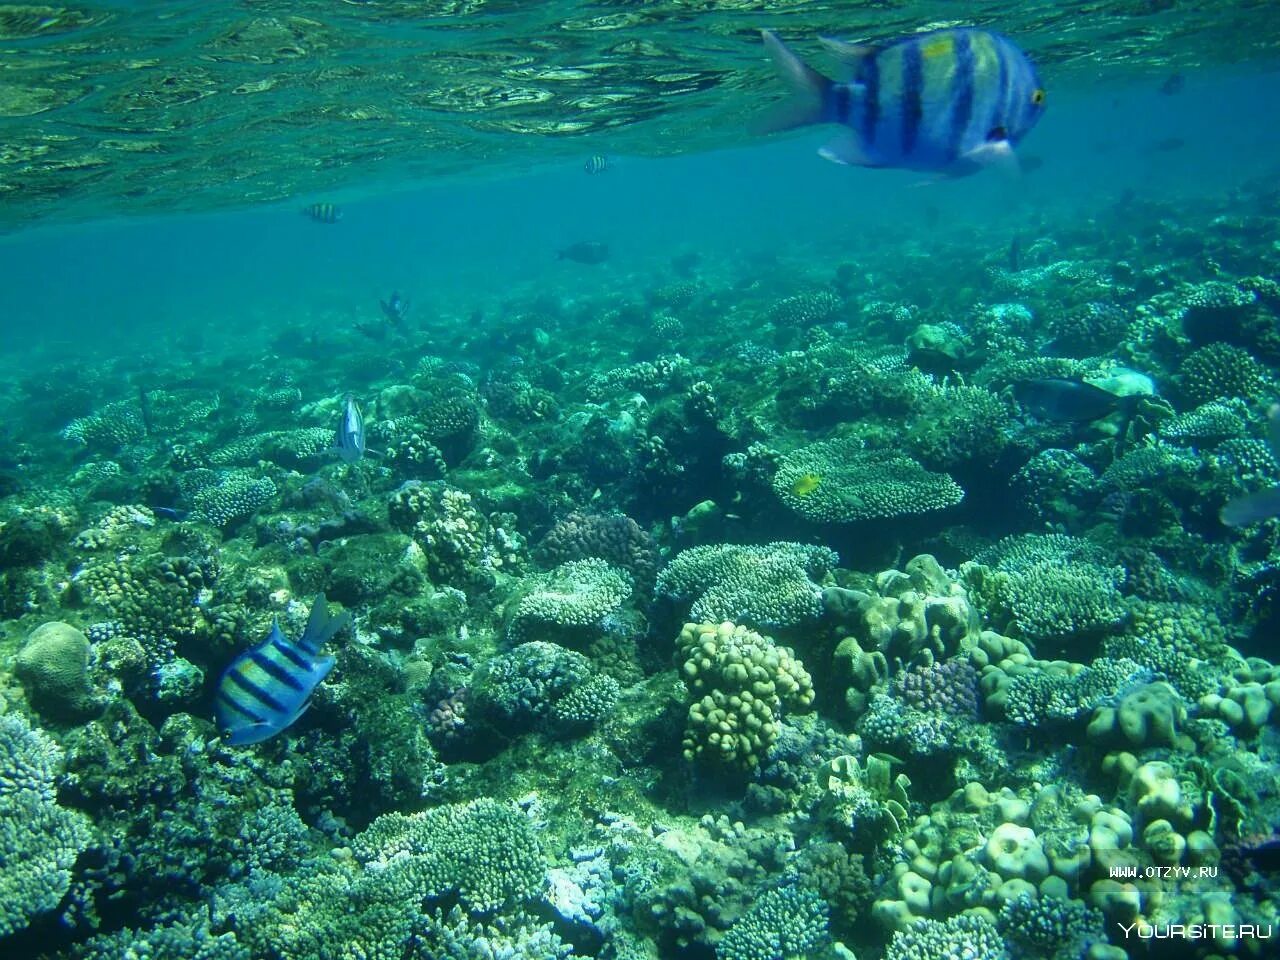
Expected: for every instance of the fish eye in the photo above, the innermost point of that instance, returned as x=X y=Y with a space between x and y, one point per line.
x=1037 y=98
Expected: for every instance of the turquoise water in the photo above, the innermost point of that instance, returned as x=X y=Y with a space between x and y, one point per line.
x=732 y=597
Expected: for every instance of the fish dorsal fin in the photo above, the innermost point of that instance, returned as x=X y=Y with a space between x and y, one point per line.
x=850 y=55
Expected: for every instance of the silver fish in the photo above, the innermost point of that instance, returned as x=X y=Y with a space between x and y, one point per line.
x=349 y=441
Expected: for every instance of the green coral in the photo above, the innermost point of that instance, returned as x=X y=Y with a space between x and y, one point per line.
x=1219 y=370
x=964 y=937
x=482 y=852
x=772 y=585
x=234 y=496
x=738 y=682
x=285 y=447
x=541 y=685
x=837 y=481
x=784 y=923
x=114 y=426
x=1047 y=927
x=39 y=840
x=1058 y=692
x=1047 y=587
x=575 y=596
x=463 y=547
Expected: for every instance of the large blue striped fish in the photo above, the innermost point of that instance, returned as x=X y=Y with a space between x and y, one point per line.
x=266 y=689
x=948 y=101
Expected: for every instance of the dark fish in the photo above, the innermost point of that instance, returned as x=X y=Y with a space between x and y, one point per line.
x=171 y=513
x=266 y=689
x=350 y=441
x=951 y=101
x=323 y=212
x=395 y=309
x=585 y=251
x=1168 y=145
x=1015 y=254
x=686 y=263
x=597 y=163
x=1173 y=84
x=1063 y=400
x=1032 y=163
x=1265 y=504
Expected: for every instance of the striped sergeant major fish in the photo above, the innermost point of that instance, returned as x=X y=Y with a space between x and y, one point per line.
x=949 y=101
x=266 y=689
x=597 y=163
x=323 y=212
x=349 y=441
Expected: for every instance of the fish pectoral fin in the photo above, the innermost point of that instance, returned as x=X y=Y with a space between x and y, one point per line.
x=994 y=153
x=846 y=149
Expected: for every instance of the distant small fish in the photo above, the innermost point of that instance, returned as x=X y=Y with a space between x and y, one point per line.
x=686 y=263
x=1173 y=84
x=1032 y=163
x=597 y=163
x=1168 y=145
x=349 y=441
x=1064 y=400
x=266 y=689
x=806 y=484
x=323 y=212
x=585 y=251
x=1265 y=504
x=950 y=101
x=395 y=309
x=1015 y=254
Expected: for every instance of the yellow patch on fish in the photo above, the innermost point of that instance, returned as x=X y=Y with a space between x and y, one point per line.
x=806 y=484
x=937 y=48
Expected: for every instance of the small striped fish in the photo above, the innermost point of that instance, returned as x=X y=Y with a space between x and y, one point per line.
x=266 y=689
x=349 y=440
x=949 y=101
x=323 y=212
x=597 y=163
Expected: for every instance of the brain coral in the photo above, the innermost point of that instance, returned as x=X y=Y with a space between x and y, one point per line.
x=769 y=586
x=836 y=481
x=53 y=666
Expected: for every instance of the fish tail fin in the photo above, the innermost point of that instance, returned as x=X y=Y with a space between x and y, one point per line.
x=1129 y=406
x=810 y=100
x=320 y=626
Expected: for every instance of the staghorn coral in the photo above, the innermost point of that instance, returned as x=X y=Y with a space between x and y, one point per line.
x=963 y=937
x=482 y=852
x=772 y=585
x=784 y=922
x=837 y=481
x=39 y=840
